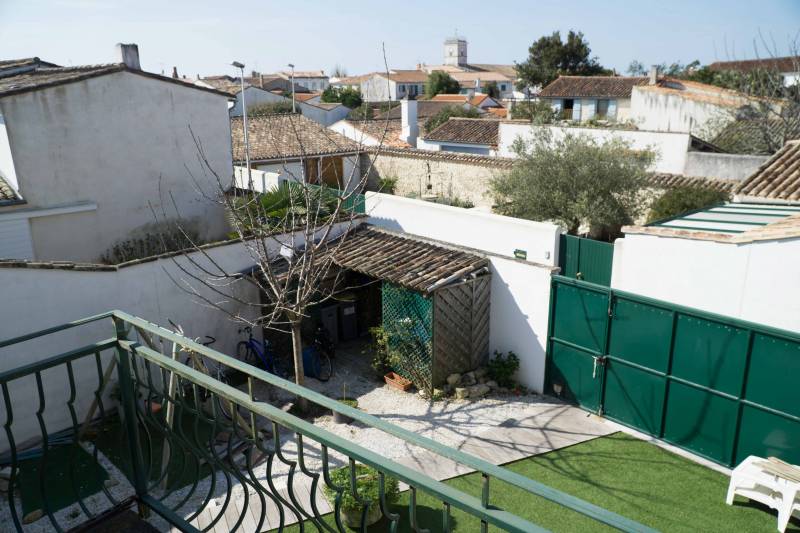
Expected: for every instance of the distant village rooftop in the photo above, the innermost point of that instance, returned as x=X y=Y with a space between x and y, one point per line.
x=467 y=131
x=286 y=136
x=593 y=86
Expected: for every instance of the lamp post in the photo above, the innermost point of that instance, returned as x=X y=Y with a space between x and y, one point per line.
x=292 y=67
x=240 y=66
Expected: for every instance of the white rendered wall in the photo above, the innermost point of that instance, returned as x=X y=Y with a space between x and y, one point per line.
x=351 y=132
x=261 y=181
x=323 y=116
x=289 y=170
x=757 y=281
x=488 y=232
x=123 y=142
x=7 y=171
x=254 y=96
x=654 y=110
x=671 y=147
x=520 y=289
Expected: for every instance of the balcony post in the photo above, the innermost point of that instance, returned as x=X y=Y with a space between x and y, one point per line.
x=128 y=401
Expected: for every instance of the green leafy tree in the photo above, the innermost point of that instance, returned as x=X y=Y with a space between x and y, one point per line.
x=550 y=57
x=537 y=111
x=362 y=112
x=574 y=181
x=448 y=112
x=347 y=96
x=271 y=108
x=680 y=200
x=492 y=89
x=441 y=83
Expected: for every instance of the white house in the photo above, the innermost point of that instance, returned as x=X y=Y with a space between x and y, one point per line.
x=313 y=80
x=582 y=98
x=396 y=85
x=88 y=154
x=464 y=135
x=297 y=149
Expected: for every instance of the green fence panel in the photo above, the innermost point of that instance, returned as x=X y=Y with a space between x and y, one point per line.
x=575 y=371
x=767 y=434
x=701 y=421
x=634 y=397
x=718 y=386
x=710 y=353
x=641 y=334
x=581 y=317
x=774 y=373
x=586 y=259
x=408 y=323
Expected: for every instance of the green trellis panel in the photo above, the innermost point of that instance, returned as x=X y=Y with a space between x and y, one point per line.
x=718 y=386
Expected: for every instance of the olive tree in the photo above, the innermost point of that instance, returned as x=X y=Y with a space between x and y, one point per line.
x=575 y=181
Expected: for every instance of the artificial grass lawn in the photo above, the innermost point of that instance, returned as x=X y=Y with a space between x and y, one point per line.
x=620 y=473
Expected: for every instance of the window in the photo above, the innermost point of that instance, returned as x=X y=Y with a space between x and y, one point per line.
x=413 y=90
x=402 y=88
x=566 y=110
x=503 y=87
x=602 y=109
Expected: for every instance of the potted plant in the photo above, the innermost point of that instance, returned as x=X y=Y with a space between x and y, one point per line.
x=368 y=489
x=395 y=380
x=340 y=418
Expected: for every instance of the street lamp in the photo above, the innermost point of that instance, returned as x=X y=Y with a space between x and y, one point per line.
x=292 y=67
x=240 y=66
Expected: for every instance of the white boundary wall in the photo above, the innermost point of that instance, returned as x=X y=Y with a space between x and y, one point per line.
x=672 y=147
x=39 y=298
x=758 y=281
x=487 y=232
x=520 y=299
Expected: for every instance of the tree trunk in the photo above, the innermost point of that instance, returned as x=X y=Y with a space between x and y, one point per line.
x=299 y=371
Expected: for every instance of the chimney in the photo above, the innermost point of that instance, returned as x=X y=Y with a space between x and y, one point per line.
x=261 y=80
x=175 y=73
x=129 y=54
x=653 y=75
x=408 y=114
x=477 y=86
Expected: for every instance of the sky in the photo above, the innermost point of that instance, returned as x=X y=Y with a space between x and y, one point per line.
x=203 y=37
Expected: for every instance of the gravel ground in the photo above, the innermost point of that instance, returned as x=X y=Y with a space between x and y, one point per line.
x=449 y=422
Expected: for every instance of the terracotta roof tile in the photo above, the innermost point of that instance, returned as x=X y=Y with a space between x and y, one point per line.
x=780 y=64
x=286 y=136
x=778 y=178
x=7 y=194
x=664 y=180
x=425 y=109
x=594 y=86
x=467 y=131
x=453 y=157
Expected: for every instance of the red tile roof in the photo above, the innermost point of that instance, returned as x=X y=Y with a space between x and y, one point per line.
x=778 y=178
x=592 y=86
x=780 y=64
x=467 y=131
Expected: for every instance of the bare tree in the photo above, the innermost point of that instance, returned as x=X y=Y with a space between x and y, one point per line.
x=292 y=234
x=768 y=114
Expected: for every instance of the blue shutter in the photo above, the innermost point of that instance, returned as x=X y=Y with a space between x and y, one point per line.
x=612 y=109
x=576 y=109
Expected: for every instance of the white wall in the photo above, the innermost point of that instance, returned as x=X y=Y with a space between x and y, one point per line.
x=378 y=89
x=351 y=132
x=727 y=166
x=660 y=111
x=491 y=233
x=671 y=147
x=261 y=181
x=323 y=116
x=755 y=281
x=121 y=141
x=7 y=171
x=156 y=290
x=254 y=96
x=519 y=315
x=520 y=289
x=15 y=239
x=289 y=170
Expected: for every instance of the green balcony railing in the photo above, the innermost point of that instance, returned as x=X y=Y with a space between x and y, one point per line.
x=198 y=454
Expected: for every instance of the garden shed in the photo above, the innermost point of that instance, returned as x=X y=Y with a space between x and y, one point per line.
x=434 y=300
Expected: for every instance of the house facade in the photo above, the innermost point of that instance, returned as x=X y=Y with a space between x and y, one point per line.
x=583 y=98
x=297 y=149
x=313 y=80
x=464 y=135
x=787 y=67
x=395 y=85
x=92 y=156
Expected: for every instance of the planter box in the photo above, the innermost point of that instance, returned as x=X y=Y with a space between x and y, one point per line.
x=397 y=381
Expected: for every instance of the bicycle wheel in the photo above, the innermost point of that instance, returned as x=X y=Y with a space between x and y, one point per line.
x=325 y=367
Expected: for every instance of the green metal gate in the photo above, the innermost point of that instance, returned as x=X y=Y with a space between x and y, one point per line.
x=720 y=387
x=585 y=259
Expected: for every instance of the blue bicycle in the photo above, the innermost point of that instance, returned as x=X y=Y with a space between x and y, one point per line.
x=316 y=362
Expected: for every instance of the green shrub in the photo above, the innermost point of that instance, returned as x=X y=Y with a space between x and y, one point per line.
x=347 y=96
x=502 y=368
x=680 y=200
x=349 y=402
x=381 y=359
x=367 y=486
x=387 y=184
x=537 y=111
x=271 y=108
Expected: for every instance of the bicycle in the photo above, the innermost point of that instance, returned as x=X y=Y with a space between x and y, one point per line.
x=261 y=355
